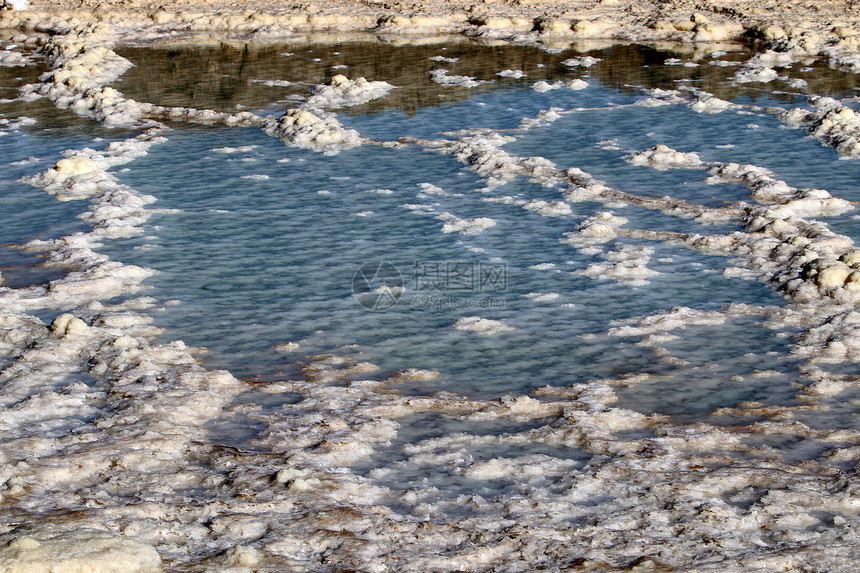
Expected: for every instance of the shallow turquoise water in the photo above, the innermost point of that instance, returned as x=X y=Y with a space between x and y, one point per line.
x=257 y=262
x=265 y=242
x=256 y=244
x=27 y=148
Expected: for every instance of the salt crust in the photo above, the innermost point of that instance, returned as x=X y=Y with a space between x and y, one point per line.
x=453 y=224
x=663 y=157
x=516 y=74
x=801 y=278
x=542 y=296
x=659 y=97
x=481 y=325
x=483 y=155
x=450 y=223
x=543 y=86
x=311 y=127
x=343 y=92
x=677 y=62
x=57 y=549
x=440 y=76
x=830 y=122
x=10 y=58
x=81 y=65
x=671 y=488
x=548 y=208
x=274 y=83
x=107 y=342
x=16 y=123
x=544 y=117
x=627 y=266
x=585 y=62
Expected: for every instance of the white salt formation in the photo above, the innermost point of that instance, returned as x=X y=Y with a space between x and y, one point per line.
x=755 y=74
x=81 y=65
x=56 y=549
x=9 y=58
x=544 y=117
x=585 y=62
x=664 y=157
x=343 y=92
x=307 y=129
x=453 y=224
x=103 y=428
x=660 y=97
x=765 y=189
x=707 y=103
x=481 y=325
x=601 y=227
x=548 y=208
x=542 y=296
x=627 y=265
x=830 y=122
x=543 y=86
x=760 y=68
x=310 y=127
x=441 y=76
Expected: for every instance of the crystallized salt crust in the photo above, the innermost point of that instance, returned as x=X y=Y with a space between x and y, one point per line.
x=56 y=549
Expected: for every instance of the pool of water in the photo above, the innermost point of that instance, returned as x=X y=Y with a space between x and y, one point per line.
x=265 y=240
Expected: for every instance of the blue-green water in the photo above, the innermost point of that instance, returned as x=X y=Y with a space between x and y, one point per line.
x=265 y=241
x=606 y=415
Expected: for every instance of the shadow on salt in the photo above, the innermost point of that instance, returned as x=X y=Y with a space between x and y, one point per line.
x=436 y=456
x=711 y=367
x=79 y=400
x=794 y=448
x=830 y=413
x=244 y=419
x=24 y=275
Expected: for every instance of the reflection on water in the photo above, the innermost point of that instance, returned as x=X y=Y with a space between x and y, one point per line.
x=228 y=75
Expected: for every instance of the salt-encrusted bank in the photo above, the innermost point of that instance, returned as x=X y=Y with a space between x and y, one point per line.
x=107 y=460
